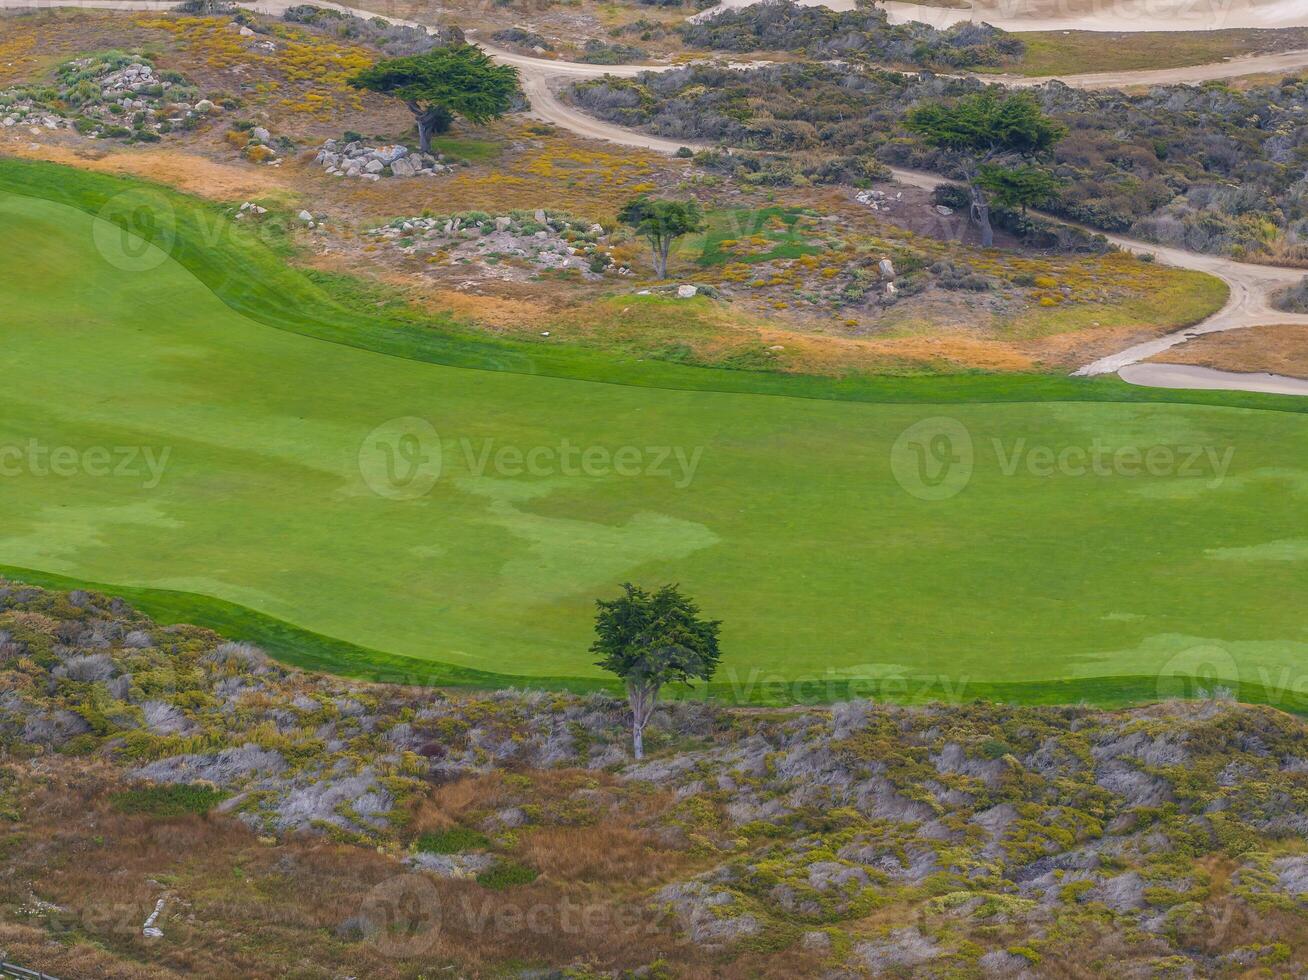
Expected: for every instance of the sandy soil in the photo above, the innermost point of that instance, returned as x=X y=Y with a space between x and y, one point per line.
x=1208 y=379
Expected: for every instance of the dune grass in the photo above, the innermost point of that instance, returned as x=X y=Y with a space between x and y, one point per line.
x=1080 y=52
x=282 y=513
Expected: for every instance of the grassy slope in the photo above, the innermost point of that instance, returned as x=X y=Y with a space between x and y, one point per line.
x=793 y=529
x=1078 y=52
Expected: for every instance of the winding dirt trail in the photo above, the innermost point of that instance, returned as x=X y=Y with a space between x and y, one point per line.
x=1251 y=285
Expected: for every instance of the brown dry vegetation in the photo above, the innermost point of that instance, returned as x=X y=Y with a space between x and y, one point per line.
x=1271 y=349
x=238 y=904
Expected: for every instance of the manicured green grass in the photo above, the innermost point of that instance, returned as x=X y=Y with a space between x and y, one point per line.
x=832 y=580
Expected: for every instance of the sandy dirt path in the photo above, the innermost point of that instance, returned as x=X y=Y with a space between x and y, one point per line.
x=1251 y=285
x=1208 y=379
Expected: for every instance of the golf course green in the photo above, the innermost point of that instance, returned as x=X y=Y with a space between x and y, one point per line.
x=213 y=435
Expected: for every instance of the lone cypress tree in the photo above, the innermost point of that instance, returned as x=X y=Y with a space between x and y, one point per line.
x=650 y=640
x=459 y=80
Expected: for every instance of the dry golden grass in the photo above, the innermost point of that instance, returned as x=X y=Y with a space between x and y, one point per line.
x=1279 y=349
x=175 y=167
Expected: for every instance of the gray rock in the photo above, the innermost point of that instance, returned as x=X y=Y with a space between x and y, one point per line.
x=826 y=876
x=1292 y=875
x=1137 y=788
x=322 y=802
x=451 y=865
x=1001 y=963
x=704 y=914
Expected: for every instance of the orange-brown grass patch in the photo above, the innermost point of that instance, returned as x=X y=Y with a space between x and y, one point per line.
x=33 y=43
x=1281 y=349
x=178 y=168
x=496 y=312
x=604 y=853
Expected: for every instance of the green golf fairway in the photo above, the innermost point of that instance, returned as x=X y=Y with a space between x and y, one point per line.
x=791 y=526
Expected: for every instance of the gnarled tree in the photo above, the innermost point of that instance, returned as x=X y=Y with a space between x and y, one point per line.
x=459 y=80
x=993 y=140
x=661 y=223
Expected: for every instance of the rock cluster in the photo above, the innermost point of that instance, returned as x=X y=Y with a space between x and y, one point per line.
x=879 y=201
x=258 y=145
x=142 y=98
x=114 y=97
x=357 y=159
x=542 y=238
x=21 y=110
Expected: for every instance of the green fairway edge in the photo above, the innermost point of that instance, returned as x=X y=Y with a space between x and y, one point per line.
x=312 y=651
x=256 y=281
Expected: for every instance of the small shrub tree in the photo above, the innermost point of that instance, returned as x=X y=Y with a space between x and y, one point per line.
x=990 y=137
x=459 y=80
x=650 y=640
x=661 y=223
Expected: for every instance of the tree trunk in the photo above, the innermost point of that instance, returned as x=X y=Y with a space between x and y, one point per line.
x=642 y=698
x=661 y=247
x=432 y=121
x=981 y=215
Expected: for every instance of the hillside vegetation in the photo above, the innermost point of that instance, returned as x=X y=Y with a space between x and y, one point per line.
x=288 y=821
x=1210 y=168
